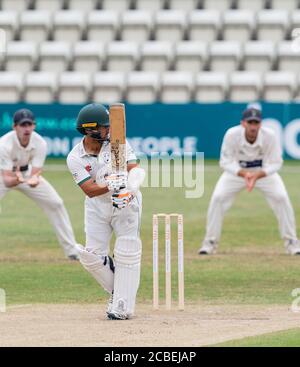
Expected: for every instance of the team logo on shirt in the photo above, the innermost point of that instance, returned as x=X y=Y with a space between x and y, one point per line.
x=88 y=168
x=106 y=157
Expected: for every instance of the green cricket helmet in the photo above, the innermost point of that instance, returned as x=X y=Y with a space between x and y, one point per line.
x=90 y=117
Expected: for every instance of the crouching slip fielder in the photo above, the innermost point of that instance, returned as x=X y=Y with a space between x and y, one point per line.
x=250 y=157
x=22 y=156
x=113 y=203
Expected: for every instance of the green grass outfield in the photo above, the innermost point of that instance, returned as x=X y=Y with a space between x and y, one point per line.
x=250 y=268
x=290 y=338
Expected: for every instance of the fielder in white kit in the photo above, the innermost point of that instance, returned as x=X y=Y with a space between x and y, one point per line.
x=113 y=203
x=251 y=156
x=22 y=156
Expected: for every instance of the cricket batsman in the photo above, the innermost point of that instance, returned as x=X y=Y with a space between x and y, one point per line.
x=113 y=204
x=250 y=157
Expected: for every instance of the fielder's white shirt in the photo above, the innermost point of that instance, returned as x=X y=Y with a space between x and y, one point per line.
x=237 y=153
x=12 y=154
x=84 y=166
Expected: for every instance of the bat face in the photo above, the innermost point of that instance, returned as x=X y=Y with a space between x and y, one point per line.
x=118 y=137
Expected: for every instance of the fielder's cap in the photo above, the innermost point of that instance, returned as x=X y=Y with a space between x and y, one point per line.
x=22 y=116
x=252 y=114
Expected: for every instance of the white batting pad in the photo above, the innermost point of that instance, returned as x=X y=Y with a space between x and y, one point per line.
x=127 y=255
x=99 y=267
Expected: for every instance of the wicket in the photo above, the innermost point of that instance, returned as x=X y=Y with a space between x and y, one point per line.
x=167 y=218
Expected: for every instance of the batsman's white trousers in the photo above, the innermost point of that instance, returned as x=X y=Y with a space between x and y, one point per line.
x=101 y=219
x=45 y=196
x=272 y=188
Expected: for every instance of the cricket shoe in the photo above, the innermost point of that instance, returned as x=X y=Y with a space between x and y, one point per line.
x=110 y=303
x=209 y=247
x=117 y=316
x=73 y=257
x=119 y=313
x=292 y=247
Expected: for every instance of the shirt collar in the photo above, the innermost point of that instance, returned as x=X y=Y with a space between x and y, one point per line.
x=82 y=151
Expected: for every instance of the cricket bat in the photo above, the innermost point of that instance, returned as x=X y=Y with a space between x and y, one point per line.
x=118 y=137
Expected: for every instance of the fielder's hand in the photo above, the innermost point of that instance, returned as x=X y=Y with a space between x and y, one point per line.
x=33 y=181
x=116 y=181
x=20 y=178
x=121 y=199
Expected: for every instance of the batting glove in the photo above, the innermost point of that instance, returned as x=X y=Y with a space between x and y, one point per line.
x=116 y=181
x=121 y=199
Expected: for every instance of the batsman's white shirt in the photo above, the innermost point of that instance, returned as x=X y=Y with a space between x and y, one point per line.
x=101 y=218
x=264 y=154
x=12 y=155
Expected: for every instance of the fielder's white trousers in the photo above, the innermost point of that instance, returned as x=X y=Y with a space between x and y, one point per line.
x=45 y=196
x=272 y=188
x=102 y=219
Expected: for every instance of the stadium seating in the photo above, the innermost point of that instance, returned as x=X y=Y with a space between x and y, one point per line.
x=176 y=87
x=210 y=87
x=35 y=25
x=272 y=25
x=108 y=87
x=21 y=56
x=16 y=5
x=170 y=25
x=284 y=4
x=156 y=56
x=74 y=87
x=117 y=5
x=186 y=5
x=54 y=56
x=244 y=86
x=295 y=21
x=217 y=4
x=88 y=56
x=68 y=25
x=82 y=5
x=288 y=59
x=49 y=5
x=150 y=5
x=136 y=25
x=142 y=87
x=238 y=25
x=191 y=56
x=225 y=56
x=122 y=56
x=255 y=5
x=40 y=87
x=11 y=87
x=204 y=25
x=279 y=86
x=243 y=43
x=259 y=56
x=9 y=23
x=102 y=25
